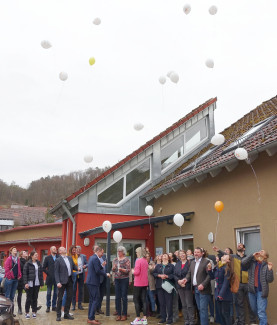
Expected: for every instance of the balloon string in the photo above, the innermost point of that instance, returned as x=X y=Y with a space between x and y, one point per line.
x=180 y=231
x=150 y=226
x=216 y=227
x=258 y=185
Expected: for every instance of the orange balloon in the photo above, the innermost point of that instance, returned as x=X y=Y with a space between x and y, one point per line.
x=219 y=206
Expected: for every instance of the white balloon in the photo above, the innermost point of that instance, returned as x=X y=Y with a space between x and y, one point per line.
x=117 y=236
x=213 y=10
x=138 y=126
x=88 y=159
x=97 y=21
x=187 y=9
x=174 y=77
x=46 y=44
x=241 y=154
x=210 y=63
x=149 y=210
x=178 y=220
x=169 y=73
x=162 y=80
x=218 y=139
x=107 y=226
x=63 y=76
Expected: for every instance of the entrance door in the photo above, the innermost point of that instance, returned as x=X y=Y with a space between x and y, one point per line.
x=176 y=243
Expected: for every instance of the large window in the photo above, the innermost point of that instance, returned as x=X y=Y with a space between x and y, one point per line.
x=126 y=185
x=137 y=177
x=112 y=194
x=250 y=237
x=172 y=152
x=195 y=135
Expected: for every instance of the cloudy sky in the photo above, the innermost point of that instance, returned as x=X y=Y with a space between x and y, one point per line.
x=48 y=126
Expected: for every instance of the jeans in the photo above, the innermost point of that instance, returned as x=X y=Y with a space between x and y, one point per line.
x=258 y=305
x=166 y=305
x=10 y=288
x=140 y=300
x=93 y=298
x=32 y=299
x=211 y=305
x=79 y=281
x=224 y=311
x=202 y=302
x=121 y=290
x=48 y=296
x=151 y=299
x=186 y=297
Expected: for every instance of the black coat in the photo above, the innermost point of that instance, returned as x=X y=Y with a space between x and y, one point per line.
x=49 y=269
x=29 y=272
x=168 y=270
x=180 y=273
x=23 y=261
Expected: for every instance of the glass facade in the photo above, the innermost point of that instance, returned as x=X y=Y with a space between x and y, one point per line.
x=112 y=194
x=137 y=177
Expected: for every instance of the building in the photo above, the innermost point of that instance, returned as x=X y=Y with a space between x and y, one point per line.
x=116 y=195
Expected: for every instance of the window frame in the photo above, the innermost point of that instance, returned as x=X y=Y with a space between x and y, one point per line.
x=168 y=239
x=126 y=197
x=240 y=232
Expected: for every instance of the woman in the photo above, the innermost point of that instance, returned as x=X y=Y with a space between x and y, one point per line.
x=140 y=286
x=223 y=274
x=184 y=290
x=121 y=268
x=23 y=255
x=165 y=272
x=33 y=280
x=12 y=273
x=151 y=285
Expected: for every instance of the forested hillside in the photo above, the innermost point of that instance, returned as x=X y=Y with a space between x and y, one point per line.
x=47 y=191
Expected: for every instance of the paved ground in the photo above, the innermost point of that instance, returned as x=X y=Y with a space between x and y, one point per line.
x=80 y=316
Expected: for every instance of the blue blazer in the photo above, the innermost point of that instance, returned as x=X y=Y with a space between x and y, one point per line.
x=222 y=283
x=95 y=270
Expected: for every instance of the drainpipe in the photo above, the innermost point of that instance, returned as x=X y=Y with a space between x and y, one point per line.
x=72 y=219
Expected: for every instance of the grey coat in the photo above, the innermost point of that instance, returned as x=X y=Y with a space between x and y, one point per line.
x=266 y=275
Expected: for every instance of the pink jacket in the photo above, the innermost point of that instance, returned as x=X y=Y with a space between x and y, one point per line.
x=8 y=268
x=141 y=273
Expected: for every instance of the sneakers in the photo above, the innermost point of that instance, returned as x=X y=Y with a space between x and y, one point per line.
x=211 y=319
x=27 y=316
x=144 y=321
x=62 y=316
x=137 y=321
x=34 y=315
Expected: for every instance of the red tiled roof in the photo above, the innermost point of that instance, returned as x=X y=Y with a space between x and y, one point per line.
x=264 y=136
x=44 y=225
x=143 y=147
x=24 y=215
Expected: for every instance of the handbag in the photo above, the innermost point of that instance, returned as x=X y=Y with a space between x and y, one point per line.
x=168 y=287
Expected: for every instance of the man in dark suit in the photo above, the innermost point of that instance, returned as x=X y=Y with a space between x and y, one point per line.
x=64 y=267
x=201 y=283
x=48 y=269
x=82 y=264
x=95 y=270
x=102 y=287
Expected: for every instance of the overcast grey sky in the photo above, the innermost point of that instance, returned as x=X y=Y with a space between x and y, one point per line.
x=48 y=126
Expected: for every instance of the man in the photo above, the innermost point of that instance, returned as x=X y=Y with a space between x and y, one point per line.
x=95 y=270
x=102 y=287
x=49 y=270
x=64 y=267
x=260 y=274
x=242 y=295
x=80 y=278
x=201 y=283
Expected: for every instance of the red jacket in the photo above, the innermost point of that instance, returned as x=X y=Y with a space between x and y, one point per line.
x=8 y=268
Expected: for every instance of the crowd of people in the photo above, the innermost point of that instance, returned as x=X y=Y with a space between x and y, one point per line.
x=221 y=288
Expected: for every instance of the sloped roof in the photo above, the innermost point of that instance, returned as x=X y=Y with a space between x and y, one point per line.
x=220 y=156
x=24 y=215
x=141 y=149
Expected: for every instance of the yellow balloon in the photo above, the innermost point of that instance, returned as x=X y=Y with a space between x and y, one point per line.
x=91 y=61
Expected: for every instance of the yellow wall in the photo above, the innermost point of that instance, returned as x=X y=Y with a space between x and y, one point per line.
x=238 y=190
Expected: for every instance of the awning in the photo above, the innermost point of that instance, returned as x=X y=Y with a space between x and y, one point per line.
x=140 y=222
